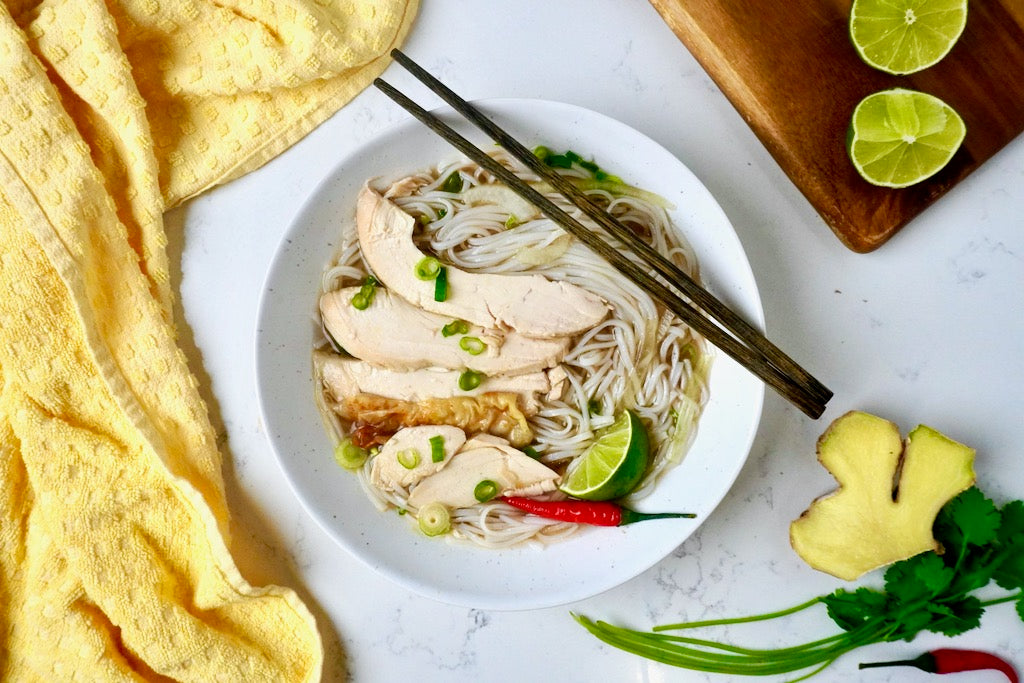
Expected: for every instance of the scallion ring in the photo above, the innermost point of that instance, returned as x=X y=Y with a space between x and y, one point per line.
x=427 y=268
x=470 y=380
x=485 y=490
x=360 y=302
x=408 y=458
x=472 y=345
x=436 y=448
x=349 y=455
x=455 y=327
x=434 y=519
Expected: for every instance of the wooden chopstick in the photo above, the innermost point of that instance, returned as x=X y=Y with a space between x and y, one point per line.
x=673 y=274
x=809 y=396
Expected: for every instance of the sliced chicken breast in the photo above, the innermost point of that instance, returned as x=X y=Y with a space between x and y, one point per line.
x=514 y=473
x=529 y=304
x=405 y=458
x=394 y=334
x=346 y=377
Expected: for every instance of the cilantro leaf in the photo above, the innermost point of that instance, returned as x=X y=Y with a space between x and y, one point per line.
x=974 y=518
x=920 y=577
x=850 y=610
x=953 y=618
x=1009 y=572
x=1020 y=609
x=1012 y=524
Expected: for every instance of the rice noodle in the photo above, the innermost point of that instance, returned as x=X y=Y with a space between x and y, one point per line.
x=642 y=357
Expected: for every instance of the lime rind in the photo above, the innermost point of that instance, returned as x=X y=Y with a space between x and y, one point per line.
x=905 y=36
x=900 y=137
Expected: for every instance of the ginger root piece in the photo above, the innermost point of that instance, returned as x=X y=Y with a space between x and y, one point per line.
x=888 y=495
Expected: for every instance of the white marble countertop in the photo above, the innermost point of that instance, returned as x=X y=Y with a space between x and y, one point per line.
x=927 y=329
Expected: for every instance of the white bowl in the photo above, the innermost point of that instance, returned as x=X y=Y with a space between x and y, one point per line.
x=526 y=577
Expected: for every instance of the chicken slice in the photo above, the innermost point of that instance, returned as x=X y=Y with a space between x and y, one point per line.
x=346 y=377
x=394 y=334
x=514 y=473
x=529 y=304
x=388 y=472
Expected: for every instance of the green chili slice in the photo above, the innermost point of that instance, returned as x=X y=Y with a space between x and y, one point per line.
x=453 y=183
x=434 y=519
x=441 y=285
x=455 y=327
x=472 y=345
x=469 y=380
x=349 y=455
x=436 y=448
x=485 y=490
x=408 y=458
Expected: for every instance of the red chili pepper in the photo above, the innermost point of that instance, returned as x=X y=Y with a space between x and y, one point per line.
x=598 y=513
x=949 y=661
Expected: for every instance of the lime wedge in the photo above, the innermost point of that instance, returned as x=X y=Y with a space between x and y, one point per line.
x=904 y=36
x=614 y=464
x=899 y=137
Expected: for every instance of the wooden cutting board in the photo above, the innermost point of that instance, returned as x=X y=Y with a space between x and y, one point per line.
x=791 y=71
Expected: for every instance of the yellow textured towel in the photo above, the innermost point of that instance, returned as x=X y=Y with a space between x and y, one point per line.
x=114 y=562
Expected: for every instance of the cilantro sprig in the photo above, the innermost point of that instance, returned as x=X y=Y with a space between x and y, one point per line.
x=980 y=543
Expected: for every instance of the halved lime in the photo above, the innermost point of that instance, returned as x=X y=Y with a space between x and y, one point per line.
x=613 y=465
x=899 y=137
x=904 y=36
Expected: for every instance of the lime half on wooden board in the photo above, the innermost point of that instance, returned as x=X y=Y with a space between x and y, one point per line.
x=904 y=36
x=899 y=137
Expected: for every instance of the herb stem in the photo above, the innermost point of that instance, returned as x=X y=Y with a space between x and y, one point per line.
x=738 y=620
x=1006 y=598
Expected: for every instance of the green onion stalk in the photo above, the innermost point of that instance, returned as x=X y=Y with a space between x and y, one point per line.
x=714 y=657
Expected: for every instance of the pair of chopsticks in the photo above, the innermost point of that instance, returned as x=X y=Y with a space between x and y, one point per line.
x=696 y=307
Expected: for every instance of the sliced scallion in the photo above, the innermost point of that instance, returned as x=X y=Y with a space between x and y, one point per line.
x=441 y=285
x=427 y=268
x=436 y=448
x=455 y=327
x=472 y=345
x=408 y=458
x=453 y=183
x=349 y=455
x=511 y=221
x=593 y=407
x=470 y=379
x=485 y=490
x=362 y=300
x=434 y=519
x=532 y=452
x=558 y=161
